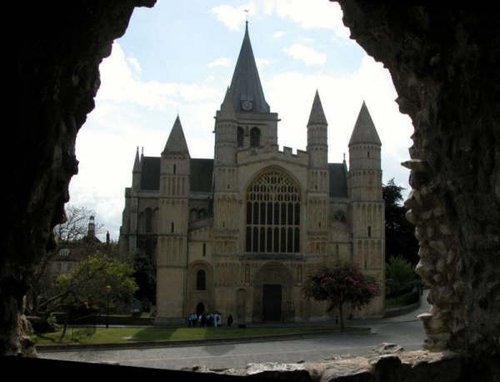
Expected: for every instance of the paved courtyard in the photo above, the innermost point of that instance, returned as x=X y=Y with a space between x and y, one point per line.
x=403 y=330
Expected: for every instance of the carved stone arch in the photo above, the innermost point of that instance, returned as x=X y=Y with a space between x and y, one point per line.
x=277 y=168
x=194 y=268
x=273 y=271
x=193 y=214
x=197 y=296
x=273 y=277
x=255 y=137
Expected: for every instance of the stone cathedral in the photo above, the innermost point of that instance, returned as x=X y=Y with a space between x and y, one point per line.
x=239 y=233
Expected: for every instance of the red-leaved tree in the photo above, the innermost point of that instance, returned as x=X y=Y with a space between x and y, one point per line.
x=340 y=285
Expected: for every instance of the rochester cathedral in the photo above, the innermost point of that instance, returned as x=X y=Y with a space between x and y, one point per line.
x=239 y=233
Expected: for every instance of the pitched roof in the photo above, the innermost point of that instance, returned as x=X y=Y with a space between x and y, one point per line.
x=245 y=84
x=150 y=176
x=317 y=116
x=176 y=142
x=364 y=129
x=201 y=175
x=200 y=180
x=338 y=180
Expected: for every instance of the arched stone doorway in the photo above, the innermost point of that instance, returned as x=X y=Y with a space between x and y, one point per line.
x=273 y=292
x=271 y=302
x=200 y=287
x=200 y=308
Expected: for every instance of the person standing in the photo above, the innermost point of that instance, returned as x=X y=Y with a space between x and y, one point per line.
x=229 y=320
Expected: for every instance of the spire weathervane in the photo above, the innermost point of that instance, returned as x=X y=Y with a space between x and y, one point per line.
x=246 y=10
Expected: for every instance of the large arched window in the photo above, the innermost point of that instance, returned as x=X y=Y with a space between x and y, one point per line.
x=201 y=280
x=255 y=137
x=273 y=214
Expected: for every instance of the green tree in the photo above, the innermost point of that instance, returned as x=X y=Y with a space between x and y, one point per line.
x=98 y=280
x=145 y=276
x=69 y=235
x=98 y=283
x=340 y=285
x=400 y=277
x=400 y=238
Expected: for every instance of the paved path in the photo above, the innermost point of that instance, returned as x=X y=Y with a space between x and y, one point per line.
x=403 y=330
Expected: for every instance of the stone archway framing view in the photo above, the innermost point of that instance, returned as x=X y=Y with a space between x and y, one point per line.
x=444 y=64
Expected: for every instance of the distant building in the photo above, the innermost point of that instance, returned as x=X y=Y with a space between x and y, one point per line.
x=70 y=255
x=240 y=232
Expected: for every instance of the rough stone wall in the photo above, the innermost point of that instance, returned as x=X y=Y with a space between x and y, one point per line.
x=445 y=66
x=59 y=49
x=387 y=363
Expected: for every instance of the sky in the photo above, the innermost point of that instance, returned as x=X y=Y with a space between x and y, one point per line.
x=178 y=58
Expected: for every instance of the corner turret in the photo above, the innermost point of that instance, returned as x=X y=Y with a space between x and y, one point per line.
x=317 y=135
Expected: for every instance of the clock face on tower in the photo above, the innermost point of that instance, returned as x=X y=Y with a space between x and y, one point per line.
x=246 y=105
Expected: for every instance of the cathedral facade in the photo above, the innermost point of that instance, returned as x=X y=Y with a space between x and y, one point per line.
x=239 y=233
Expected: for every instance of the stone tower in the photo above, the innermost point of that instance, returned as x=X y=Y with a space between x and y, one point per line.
x=171 y=256
x=367 y=204
x=133 y=194
x=318 y=178
x=244 y=121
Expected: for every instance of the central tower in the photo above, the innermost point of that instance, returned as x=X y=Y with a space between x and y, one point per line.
x=244 y=122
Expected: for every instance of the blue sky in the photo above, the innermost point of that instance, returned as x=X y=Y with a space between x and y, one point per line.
x=178 y=58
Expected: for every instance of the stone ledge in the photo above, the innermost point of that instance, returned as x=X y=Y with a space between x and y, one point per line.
x=412 y=366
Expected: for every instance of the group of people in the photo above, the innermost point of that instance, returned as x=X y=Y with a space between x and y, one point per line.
x=204 y=320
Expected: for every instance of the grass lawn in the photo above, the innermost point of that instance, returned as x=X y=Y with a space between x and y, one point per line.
x=101 y=335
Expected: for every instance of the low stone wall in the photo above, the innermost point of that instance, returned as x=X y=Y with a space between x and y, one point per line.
x=404 y=366
x=417 y=366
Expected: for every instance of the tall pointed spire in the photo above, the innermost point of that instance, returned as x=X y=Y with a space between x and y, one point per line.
x=364 y=129
x=227 y=104
x=176 y=142
x=317 y=116
x=246 y=88
x=137 y=162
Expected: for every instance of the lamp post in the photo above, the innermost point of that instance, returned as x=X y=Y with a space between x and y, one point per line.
x=108 y=291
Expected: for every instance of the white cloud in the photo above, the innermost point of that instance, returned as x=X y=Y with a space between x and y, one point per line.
x=307 y=55
x=221 y=61
x=311 y=14
x=134 y=63
x=278 y=34
x=119 y=85
x=233 y=17
x=342 y=97
x=262 y=62
x=131 y=112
